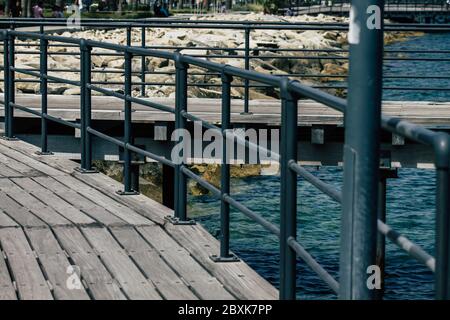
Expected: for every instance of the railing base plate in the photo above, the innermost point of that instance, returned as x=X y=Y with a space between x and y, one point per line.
x=85 y=171
x=218 y=259
x=46 y=153
x=246 y=113
x=3 y=137
x=177 y=222
x=127 y=193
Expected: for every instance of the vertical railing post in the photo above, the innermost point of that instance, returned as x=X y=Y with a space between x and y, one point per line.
x=10 y=88
x=386 y=172
x=442 y=243
x=143 y=41
x=361 y=150
x=181 y=87
x=85 y=110
x=5 y=38
x=43 y=45
x=128 y=35
x=128 y=134
x=288 y=202
x=247 y=67
x=225 y=255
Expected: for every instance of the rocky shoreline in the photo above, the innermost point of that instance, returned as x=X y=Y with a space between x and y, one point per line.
x=266 y=41
x=151 y=178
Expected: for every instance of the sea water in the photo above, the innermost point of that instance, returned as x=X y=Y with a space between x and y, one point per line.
x=410 y=201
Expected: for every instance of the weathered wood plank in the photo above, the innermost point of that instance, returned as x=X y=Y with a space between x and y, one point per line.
x=264 y=111
x=29 y=150
x=6 y=221
x=132 y=281
x=30 y=281
x=150 y=262
x=55 y=264
x=7 y=291
x=238 y=277
x=139 y=203
x=144 y=206
x=108 y=202
x=38 y=208
x=156 y=212
x=21 y=215
x=99 y=281
x=31 y=162
x=52 y=200
x=205 y=286
x=7 y=172
x=93 y=210
x=18 y=166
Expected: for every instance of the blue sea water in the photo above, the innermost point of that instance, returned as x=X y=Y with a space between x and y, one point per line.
x=410 y=204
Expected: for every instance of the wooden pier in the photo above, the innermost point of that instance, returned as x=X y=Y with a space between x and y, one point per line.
x=55 y=222
x=266 y=112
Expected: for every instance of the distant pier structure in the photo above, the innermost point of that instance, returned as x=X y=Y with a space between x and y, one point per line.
x=418 y=11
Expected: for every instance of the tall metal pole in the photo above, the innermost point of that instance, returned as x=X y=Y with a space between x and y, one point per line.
x=85 y=112
x=44 y=92
x=225 y=170
x=385 y=174
x=361 y=149
x=442 y=243
x=143 y=40
x=225 y=255
x=181 y=100
x=9 y=87
x=128 y=134
x=5 y=36
x=288 y=202
x=247 y=67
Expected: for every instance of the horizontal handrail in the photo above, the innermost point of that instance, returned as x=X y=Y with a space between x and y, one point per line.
x=290 y=92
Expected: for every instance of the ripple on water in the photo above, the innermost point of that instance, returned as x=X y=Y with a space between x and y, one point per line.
x=410 y=206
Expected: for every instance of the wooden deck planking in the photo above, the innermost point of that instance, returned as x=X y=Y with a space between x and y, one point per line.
x=93 y=273
x=6 y=172
x=130 y=278
x=116 y=261
x=245 y=282
x=119 y=210
x=31 y=162
x=87 y=206
x=193 y=242
x=17 y=166
x=168 y=283
x=201 y=281
x=18 y=213
x=64 y=208
x=30 y=281
x=55 y=264
x=263 y=111
x=6 y=221
x=32 y=204
x=7 y=290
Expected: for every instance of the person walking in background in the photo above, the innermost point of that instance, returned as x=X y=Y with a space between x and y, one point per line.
x=38 y=10
x=159 y=10
x=57 y=12
x=16 y=9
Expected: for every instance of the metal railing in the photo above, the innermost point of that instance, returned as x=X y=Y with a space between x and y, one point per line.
x=342 y=6
x=247 y=53
x=361 y=171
